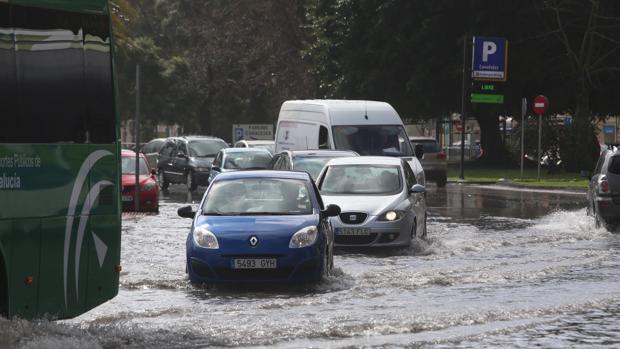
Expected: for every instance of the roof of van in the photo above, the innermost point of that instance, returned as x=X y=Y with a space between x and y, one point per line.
x=344 y=112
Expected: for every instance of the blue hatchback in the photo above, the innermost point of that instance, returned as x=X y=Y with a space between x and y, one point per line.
x=257 y=226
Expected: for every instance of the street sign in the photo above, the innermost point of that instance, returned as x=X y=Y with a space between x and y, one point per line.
x=541 y=104
x=484 y=98
x=489 y=59
x=252 y=132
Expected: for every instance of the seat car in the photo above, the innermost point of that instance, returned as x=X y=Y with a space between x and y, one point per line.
x=310 y=161
x=269 y=145
x=151 y=151
x=235 y=159
x=604 y=190
x=381 y=202
x=149 y=190
x=257 y=226
x=187 y=160
x=434 y=160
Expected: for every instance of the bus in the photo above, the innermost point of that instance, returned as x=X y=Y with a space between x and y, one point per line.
x=60 y=220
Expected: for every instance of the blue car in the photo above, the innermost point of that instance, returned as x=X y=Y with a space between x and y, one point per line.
x=260 y=226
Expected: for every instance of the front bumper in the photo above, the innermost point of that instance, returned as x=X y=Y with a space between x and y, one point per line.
x=298 y=265
x=149 y=201
x=381 y=233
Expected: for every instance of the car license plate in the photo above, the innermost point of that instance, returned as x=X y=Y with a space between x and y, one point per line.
x=353 y=231
x=127 y=198
x=254 y=263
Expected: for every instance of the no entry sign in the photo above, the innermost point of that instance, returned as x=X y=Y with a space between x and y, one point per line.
x=541 y=104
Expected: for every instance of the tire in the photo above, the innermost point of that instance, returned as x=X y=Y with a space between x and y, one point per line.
x=424 y=232
x=191 y=183
x=163 y=183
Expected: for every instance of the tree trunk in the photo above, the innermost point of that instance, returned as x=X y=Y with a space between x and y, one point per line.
x=494 y=152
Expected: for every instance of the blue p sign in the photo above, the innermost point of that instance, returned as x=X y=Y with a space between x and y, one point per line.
x=238 y=133
x=489 y=58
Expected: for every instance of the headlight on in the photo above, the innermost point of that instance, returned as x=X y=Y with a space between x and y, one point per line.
x=205 y=239
x=392 y=215
x=304 y=237
x=148 y=186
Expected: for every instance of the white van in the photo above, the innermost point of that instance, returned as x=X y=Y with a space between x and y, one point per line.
x=366 y=127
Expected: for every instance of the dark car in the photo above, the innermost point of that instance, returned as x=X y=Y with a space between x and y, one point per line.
x=310 y=161
x=187 y=160
x=604 y=190
x=151 y=151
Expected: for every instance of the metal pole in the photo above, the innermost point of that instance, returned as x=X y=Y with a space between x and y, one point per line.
x=539 y=142
x=523 y=111
x=136 y=194
x=463 y=106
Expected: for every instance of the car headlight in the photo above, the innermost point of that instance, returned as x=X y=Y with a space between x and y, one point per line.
x=205 y=239
x=148 y=186
x=304 y=237
x=392 y=215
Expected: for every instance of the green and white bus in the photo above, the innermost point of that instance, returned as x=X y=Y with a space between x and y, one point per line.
x=60 y=222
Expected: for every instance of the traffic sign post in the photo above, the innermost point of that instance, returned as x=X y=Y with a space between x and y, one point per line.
x=541 y=104
x=488 y=69
x=523 y=112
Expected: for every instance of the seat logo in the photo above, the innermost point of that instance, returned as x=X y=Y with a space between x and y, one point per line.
x=353 y=217
x=253 y=241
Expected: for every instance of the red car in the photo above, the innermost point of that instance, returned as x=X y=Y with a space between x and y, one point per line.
x=149 y=188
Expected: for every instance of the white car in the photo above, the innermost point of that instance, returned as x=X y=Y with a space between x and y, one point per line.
x=235 y=159
x=269 y=145
x=381 y=202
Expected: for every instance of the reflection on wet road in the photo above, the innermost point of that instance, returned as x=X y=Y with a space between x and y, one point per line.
x=500 y=268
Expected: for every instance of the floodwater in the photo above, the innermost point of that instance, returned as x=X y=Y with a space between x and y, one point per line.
x=500 y=268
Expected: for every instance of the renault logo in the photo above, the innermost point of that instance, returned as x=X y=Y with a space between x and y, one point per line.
x=253 y=241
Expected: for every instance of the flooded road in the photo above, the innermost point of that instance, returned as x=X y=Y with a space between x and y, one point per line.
x=500 y=268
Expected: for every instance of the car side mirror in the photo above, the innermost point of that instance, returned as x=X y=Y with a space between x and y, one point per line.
x=153 y=172
x=186 y=212
x=181 y=155
x=418 y=150
x=417 y=189
x=331 y=211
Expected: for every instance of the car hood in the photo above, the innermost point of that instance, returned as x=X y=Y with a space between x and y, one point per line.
x=373 y=205
x=272 y=231
x=130 y=179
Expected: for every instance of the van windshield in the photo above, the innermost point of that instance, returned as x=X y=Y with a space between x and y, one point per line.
x=381 y=140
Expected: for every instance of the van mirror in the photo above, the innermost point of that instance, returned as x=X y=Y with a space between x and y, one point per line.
x=418 y=150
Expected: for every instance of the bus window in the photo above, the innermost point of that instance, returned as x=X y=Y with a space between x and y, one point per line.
x=8 y=82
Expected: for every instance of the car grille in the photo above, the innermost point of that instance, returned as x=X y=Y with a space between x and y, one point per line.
x=353 y=217
x=128 y=189
x=355 y=239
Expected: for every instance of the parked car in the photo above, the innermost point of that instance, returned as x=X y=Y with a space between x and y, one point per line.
x=257 y=226
x=235 y=159
x=310 y=161
x=269 y=145
x=149 y=190
x=151 y=151
x=382 y=203
x=434 y=160
x=187 y=160
x=604 y=190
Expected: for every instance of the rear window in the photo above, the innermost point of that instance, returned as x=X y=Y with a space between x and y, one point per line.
x=614 y=165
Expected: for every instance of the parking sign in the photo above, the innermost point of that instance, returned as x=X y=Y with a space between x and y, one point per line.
x=489 y=58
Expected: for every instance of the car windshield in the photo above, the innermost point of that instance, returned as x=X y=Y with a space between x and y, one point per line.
x=361 y=179
x=206 y=147
x=312 y=165
x=258 y=196
x=387 y=140
x=128 y=165
x=244 y=160
x=614 y=165
x=430 y=146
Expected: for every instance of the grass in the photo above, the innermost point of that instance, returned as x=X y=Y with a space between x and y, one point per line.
x=492 y=175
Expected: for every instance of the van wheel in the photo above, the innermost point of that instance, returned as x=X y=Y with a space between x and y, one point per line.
x=191 y=183
x=163 y=183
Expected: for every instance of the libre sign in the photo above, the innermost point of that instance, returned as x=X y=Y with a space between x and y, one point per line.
x=490 y=58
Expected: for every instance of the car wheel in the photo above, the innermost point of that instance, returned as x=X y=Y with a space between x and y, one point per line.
x=163 y=183
x=191 y=184
x=424 y=231
x=326 y=263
